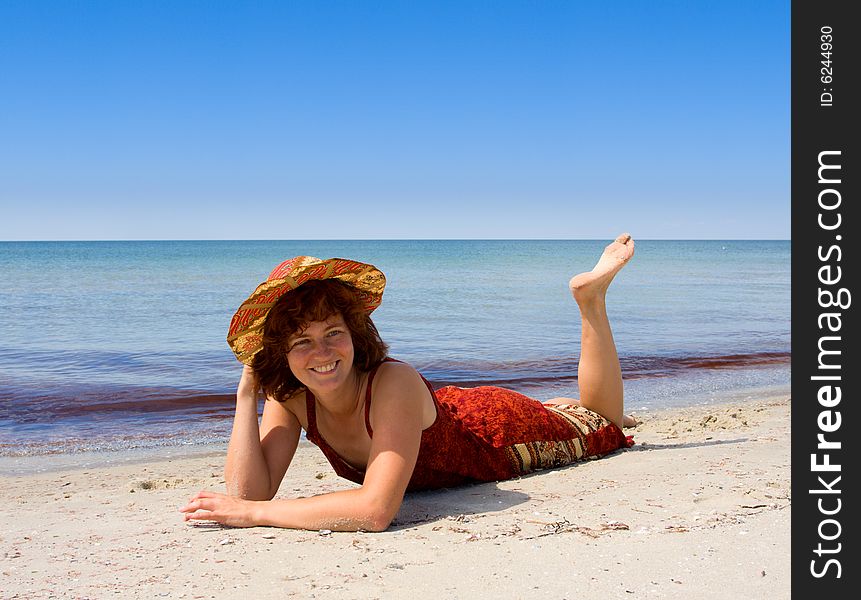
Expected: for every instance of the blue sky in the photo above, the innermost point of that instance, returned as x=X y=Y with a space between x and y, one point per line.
x=361 y=119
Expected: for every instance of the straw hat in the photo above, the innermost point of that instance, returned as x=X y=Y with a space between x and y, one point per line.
x=245 y=336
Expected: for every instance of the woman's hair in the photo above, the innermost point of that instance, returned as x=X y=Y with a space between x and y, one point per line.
x=313 y=301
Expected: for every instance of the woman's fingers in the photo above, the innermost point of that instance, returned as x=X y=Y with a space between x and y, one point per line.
x=200 y=508
x=202 y=504
x=208 y=494
x=201 y=500
x=211 y=506
x=201 y=515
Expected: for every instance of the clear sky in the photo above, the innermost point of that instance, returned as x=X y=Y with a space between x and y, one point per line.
x=380 y=119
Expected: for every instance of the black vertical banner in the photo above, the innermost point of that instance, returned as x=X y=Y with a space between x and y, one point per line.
x=826 y=433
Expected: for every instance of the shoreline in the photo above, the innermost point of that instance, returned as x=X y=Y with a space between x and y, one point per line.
x=699 y=507
x=67 y=448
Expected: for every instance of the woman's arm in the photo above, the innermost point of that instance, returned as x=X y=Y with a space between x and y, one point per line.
x=258 y=455
x=347 y=510
x=396 y=417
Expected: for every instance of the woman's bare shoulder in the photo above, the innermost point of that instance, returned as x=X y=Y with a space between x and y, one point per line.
x=397 y=372
x=399 y=384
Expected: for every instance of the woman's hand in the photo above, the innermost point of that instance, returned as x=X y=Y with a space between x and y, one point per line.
x=249 y=387
x=221 y=508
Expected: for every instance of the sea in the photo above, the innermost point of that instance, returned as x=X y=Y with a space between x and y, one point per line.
x=109 y=346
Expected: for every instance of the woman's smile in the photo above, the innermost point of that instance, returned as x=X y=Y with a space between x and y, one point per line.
x=327 y=368
x=322 y=353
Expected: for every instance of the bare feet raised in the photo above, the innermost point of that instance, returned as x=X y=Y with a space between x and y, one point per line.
x=630 y=421
x=627 y=420
x=595 y=282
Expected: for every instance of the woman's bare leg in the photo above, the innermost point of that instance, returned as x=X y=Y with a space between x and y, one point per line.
x=599 y=374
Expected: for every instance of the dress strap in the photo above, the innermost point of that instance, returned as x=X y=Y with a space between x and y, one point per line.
x=368 y=395
x=311 y=411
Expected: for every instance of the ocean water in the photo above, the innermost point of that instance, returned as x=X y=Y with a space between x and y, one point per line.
x=116 y=345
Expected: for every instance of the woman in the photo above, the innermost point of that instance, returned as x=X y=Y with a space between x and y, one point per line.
x=307 y=341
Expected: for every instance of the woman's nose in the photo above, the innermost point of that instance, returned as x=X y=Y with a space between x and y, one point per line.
x=323 y=345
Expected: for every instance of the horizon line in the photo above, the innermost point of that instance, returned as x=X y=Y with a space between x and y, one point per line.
x=443 y=239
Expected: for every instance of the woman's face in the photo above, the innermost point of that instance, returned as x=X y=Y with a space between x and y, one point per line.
x=321 y=355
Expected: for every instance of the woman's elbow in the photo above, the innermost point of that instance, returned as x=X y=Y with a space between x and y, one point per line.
x=378 y=523
x=380 y=514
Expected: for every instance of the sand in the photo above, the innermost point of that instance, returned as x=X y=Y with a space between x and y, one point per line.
x=699 y=508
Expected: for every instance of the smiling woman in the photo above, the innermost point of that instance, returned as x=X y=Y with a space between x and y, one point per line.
x=309 y=345
x=320 y=314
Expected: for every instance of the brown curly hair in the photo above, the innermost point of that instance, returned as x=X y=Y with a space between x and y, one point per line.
x=313 y=301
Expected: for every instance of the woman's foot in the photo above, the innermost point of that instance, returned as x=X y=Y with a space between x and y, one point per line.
x=594 y=283
x=627 y=420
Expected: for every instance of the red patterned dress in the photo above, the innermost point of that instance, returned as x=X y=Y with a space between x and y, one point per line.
x=489 y=434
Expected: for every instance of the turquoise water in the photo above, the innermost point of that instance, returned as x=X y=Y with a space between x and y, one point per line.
x=122 y=344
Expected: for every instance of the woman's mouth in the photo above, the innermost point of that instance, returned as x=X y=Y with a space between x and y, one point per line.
x=327 y=368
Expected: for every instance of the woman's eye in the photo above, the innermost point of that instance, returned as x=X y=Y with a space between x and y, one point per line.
x=335 y=332
x=299 y=343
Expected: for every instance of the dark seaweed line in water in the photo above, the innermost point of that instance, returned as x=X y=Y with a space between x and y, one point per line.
x=565 y=370
x=131 y=401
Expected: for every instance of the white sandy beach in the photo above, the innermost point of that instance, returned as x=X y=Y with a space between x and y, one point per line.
x=698 y=508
